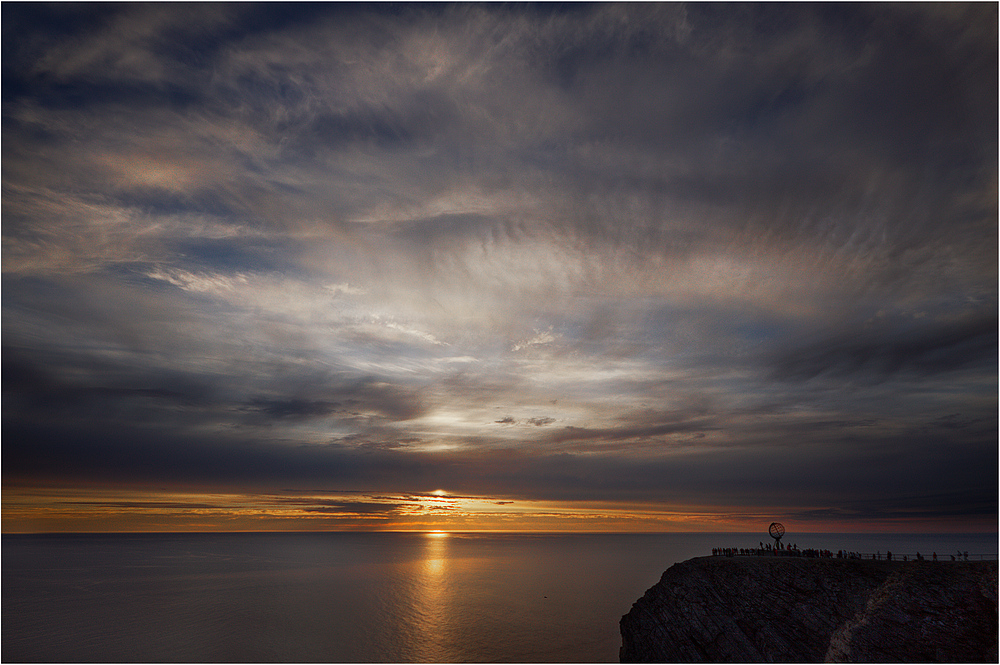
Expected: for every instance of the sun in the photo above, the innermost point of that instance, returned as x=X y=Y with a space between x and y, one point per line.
x=436 y=533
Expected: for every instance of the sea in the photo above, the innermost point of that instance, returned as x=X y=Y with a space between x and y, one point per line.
x=356 y=597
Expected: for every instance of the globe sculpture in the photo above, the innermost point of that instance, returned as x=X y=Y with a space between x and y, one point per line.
x=777 y=531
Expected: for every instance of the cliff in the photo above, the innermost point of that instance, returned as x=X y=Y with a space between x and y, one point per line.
x=791 y=609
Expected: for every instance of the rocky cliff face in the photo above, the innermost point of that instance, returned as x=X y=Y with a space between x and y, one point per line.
x=790 y=609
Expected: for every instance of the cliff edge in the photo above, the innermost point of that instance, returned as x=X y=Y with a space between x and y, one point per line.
x=793 y=609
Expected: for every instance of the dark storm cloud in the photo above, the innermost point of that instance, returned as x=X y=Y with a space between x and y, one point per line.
x=352 y=507
x=955 y=505
x=879 y=355
x=136 y=453
x=293 y=408
x=140 y=504
x=105 y=392
x=953 y=421
x=540 y=421
x=40 y=387
x=710 y=253
x=630 y=434
x=747 y=478
x=356 y=397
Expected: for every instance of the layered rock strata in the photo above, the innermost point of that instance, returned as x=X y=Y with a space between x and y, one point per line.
x=791 y=609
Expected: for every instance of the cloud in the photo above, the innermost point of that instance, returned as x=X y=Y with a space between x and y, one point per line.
x=543 y=337
x=539 y=421
x=294 y=408
x=632 y=435
x=128 y=43
x=192 y=282
x=645 y=251
x=881 y=354
x=349 y=507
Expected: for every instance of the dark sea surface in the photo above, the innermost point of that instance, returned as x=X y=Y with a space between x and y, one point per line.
x=355 y=597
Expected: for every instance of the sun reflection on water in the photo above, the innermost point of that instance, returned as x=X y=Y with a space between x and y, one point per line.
x=434 y=559
x=432 y=601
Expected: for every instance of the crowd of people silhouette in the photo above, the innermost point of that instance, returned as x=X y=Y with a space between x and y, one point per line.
x=776 y=530
x=771 y=550
x=793 y=550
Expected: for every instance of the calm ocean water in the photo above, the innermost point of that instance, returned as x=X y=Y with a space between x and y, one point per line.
x=345 y=597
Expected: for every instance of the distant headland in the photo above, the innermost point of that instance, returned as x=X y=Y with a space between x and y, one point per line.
x=815 y=607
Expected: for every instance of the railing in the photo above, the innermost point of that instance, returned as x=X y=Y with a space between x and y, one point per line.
x=863 y=556
x=912 y=556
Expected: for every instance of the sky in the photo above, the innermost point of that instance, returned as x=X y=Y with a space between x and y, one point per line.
x=600 y=267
